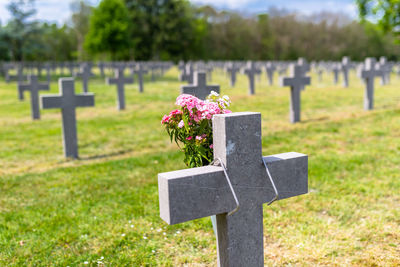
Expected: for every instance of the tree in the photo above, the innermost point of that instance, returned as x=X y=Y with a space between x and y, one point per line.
x=387 y=12
x=18 y=32
x=109 y=31
x=161 y=29
x=80 y=23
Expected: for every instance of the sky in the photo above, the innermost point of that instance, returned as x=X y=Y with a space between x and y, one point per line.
x=59 y=10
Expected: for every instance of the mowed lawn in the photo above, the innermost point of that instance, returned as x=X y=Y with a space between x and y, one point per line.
x=102 y=210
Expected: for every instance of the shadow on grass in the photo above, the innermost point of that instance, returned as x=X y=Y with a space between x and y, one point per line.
x=113 y=154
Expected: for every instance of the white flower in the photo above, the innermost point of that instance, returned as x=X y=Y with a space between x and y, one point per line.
x=213 y=93
x=86 y=263
x=123 y=235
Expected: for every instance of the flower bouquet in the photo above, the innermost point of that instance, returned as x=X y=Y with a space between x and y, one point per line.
x=190 y=126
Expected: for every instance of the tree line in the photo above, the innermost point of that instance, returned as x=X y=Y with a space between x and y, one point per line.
x=176 y=30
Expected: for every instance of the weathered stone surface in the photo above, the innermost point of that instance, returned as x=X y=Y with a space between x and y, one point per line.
x=68 y=101
x=200 y=192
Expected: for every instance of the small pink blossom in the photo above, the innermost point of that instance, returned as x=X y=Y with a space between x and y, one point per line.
x=165 y=119
x=212 y=146
x=189 y=138
x=199 y=138
x=181 y=124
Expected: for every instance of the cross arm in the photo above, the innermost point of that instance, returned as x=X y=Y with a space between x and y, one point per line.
x=289 y=172
x=193 y=193
x=188 y=89
x=50 y=101
x=111 y=81
x=84 y=100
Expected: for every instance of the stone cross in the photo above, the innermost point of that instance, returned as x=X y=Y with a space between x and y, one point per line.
x=140 y=71
x=199 y=88
x=251 y=70
x=100 y=65
x=368 y=74
x=85 y=74
x=120 y=81
x=385 y=70
x=33 y=87
x=345 y=70
x=335 y=70
x=47 y=67
x=68 y=101
x=20 y=77
x=189 y=73
x=297 y=82
x=195 y=193
x=270 y=69
x=232 y=69
x=304 y=66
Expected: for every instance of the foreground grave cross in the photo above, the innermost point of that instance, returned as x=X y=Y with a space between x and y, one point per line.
x=33 y=87
x=68 y=101
x=199 y=88
x=251 y=71
x=201 y=192
x=120 y=81
x=368 y=73
x=297 y=82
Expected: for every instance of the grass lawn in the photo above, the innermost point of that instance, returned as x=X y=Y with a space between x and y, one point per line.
x=103 y=208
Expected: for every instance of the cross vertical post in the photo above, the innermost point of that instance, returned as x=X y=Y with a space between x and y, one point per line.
x=68 y=101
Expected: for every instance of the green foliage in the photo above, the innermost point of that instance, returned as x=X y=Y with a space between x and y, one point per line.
x=109 y=31
x=162 y=29
x=81 y=11
x=18 y=34
x=387 y=12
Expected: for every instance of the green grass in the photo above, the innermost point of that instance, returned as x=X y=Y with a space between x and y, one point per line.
x=57 y=212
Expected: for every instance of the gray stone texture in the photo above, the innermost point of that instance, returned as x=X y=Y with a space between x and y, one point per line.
x=68 y=101
x=201 y=192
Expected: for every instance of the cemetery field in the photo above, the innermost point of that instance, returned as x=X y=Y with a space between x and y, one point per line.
x=102 y=210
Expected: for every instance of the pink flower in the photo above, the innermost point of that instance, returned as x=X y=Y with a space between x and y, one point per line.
x=189 y=138
x=181 y=124
x=227 y=111
x=175 y=112
x=165 y=119
x=212 y=146
x=199 y=138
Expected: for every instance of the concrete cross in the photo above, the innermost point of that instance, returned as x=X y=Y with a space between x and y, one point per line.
x=7 y=68
x=270 y=69
x=140 y=71
x=251 y=71
x=33 y=87
x=85 y=74
x=120 y=81
x=47 y=67
x=190 y=194
x=345 y=70
x=232 y=69
x=335 y=70
x=100 y=65
x=199 y=88
x=297 y=82
x=68 y=101
x=386 y=70
x=189 y=73
x=20 y=77
x=304 y=66
x=368 y=74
